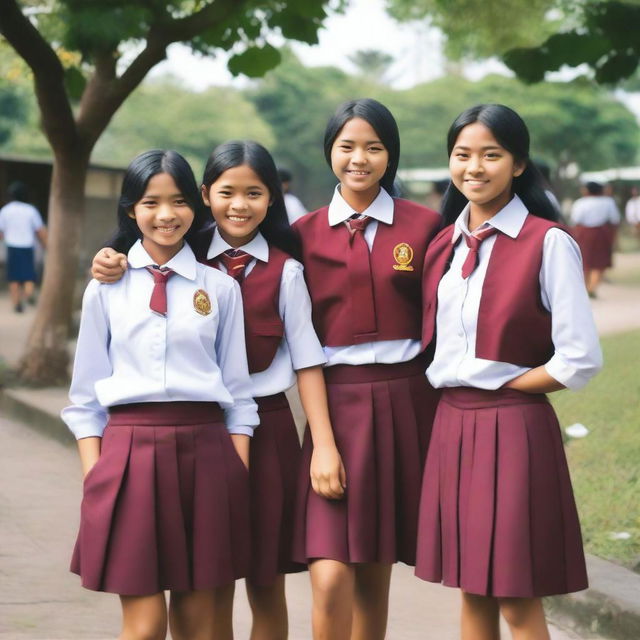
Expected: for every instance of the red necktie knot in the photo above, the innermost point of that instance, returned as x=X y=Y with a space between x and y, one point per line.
x=158 y=301
x=473 y=242
x=356 y=225
x=235 y=262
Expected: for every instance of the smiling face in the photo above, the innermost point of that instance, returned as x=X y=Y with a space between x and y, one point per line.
x=359 y=160
x=238 y=200
x=483 y=170
x=163 y=217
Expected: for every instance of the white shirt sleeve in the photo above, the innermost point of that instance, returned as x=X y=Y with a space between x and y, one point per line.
x=577 y=355
x=86 y=416
x=304 y=347
x=614 y=212
x=36 y=219
x=241 y=416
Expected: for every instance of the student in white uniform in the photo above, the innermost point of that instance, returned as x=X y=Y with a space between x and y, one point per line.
x=595 y=217
x=252 y=241
x=160 y=370
x=293 y=204
x=632 y=211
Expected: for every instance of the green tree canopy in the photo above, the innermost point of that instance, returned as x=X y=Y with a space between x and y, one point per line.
x=533 y=37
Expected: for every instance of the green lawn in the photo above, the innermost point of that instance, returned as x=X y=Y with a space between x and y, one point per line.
x=605 y=465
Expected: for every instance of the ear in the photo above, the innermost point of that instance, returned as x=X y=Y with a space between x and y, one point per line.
x=518 y=169
x=204 y=192
x=132 y=215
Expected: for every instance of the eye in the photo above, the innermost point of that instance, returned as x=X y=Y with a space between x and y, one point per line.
x=375 y=149
x=225 y=193
x=345 y=147
x=492 y=155
x=147 y=202
x=255 y=194
x=461 y=156
x=180 y=202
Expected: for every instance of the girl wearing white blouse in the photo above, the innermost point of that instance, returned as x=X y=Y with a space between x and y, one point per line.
x=160 y=368
x=504 y=294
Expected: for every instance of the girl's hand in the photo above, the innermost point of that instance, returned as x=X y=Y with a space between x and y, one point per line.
x=328 y=477
x=108 y=266
x=535 y=380
x=241 y=444
x=89 y=449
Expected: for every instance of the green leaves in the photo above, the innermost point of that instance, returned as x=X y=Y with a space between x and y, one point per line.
x=74 y=82
x=255 y=61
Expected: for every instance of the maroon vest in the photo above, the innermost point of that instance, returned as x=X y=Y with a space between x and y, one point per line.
x=263 y=325
x=513 y=325
x=396 y=268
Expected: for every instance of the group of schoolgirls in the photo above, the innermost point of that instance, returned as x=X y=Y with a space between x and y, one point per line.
x=195 y=333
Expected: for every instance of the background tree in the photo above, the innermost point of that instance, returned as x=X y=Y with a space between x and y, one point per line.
x=533 y=37
x=75 y=50
x=372 y=65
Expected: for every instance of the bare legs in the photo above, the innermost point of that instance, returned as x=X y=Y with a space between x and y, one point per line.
x=350 y=601
x=525 y=617
x=193 y=615
x=21 y=292
x=269 y=609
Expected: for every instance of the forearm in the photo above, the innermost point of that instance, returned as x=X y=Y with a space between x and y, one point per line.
x=89 y=449
x=241 y=444
x=313 y=395
x=42 y=236
x=535 y=380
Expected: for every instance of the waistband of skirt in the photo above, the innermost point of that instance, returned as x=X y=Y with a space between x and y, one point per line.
x=272 y=403
x=473 y=398
x=347 y=373
x=158 y=414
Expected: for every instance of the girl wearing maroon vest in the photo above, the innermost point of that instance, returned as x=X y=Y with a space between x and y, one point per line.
x=166 y=490
x=363 y=258
x=252 y=241
x=505 y=300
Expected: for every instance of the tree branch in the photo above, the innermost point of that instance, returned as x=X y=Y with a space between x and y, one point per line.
x=57 y=116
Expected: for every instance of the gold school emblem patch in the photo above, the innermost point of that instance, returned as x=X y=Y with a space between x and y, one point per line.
x=201 y=302
x=403 y=255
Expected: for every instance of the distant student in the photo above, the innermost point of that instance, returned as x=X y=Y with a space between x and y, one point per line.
x=252 y=242
x=632 y=211
x=595 y=217
x=505 y=302
x=20 y=226
x=363 y=254
x=160 y=368
x=293 y=204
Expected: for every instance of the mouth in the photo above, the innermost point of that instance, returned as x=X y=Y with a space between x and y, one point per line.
x=475 y=183
x=238 y=218
x=167 y=229
x=354 y=172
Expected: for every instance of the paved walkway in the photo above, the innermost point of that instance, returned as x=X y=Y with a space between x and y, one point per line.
x=39 y=498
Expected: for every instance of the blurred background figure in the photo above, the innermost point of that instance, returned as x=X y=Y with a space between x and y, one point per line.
x=632 y=211
x=293 y=204
x=596 y=217
x=439 y=188
x=20 y=225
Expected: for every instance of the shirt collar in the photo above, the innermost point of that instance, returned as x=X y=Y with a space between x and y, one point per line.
x=508 y=220
x=183 y=263
x=380 y=209
x=258 y=247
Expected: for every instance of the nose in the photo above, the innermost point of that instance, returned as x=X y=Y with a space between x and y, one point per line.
x=358 y=156
x=165 y=212
x=475 y=164
x=239 y=203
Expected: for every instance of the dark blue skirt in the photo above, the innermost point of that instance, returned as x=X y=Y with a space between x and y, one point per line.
x=20 y=266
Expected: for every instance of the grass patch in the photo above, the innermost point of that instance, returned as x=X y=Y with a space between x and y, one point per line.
x=605 y=466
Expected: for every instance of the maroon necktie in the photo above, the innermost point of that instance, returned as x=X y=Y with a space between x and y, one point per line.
x=235 y=262
x=359 y=263
x=158 y=302
x=473 y=242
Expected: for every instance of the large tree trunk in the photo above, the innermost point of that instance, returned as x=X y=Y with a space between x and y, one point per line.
x=46 y=358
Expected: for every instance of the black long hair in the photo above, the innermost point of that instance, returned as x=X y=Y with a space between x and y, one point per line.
x=382 y=122
x=511 y=132
x=134 y=184
x=275 y=227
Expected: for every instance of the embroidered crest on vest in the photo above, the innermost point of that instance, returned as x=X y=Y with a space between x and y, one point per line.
x=201 y=302
x=403 y=255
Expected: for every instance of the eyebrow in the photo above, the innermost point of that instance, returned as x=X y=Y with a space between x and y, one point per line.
x=367 y=142
x=231 y=186
x=155 y=195
x=490 y=146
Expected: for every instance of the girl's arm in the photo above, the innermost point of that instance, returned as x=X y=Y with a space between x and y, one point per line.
x=108 y=265
x=328 y=477
x=89 y=450
x=577 y=356
x=241 y=415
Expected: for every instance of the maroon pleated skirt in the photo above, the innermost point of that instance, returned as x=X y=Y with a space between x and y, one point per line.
x=596 y=246
x=167 y=504
x=274 y=468
x=497 y=513
x=381 y=416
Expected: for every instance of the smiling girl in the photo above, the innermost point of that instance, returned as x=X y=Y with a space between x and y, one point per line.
x=252 y=242
x=160 y=367
x=363 y=259
x=505 y=298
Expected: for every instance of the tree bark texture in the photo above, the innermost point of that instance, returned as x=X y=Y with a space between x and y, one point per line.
x=46 y=358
